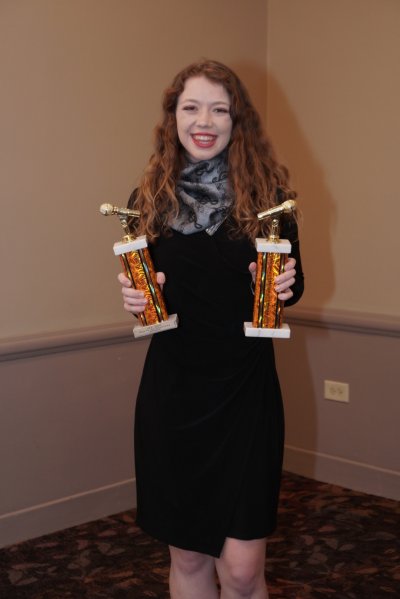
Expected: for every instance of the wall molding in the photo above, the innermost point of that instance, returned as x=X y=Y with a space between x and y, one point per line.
x=354 y=475
x=65 y=512
x=345 y=320
x=68 y=340
x=109 y=334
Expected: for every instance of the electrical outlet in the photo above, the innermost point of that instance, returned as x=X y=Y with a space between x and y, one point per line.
x=336 y=391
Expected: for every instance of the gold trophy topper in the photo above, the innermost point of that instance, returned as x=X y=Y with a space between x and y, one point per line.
x=138 y=266
x=271 y=259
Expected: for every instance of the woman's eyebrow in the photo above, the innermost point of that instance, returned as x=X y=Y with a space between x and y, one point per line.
x=199 y=101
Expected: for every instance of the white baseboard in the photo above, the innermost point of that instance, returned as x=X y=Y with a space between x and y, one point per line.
x=346 y=473
x=69 y=511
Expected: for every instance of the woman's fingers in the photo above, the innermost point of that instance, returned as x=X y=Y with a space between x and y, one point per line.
x=134 y=299
x=285 y=295
x=160 y=276
x=123 y=279
x=284 y=281
x=252 y=269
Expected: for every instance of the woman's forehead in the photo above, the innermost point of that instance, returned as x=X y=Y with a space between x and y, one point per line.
x=200 y=87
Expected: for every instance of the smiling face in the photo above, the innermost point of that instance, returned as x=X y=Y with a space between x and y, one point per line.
x=203 y=118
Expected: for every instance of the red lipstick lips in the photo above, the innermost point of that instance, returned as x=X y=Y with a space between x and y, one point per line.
x=203 y=140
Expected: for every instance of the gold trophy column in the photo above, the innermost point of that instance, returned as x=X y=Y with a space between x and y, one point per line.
x=139 y=269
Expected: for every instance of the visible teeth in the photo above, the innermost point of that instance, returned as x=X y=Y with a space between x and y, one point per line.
x=204 y=137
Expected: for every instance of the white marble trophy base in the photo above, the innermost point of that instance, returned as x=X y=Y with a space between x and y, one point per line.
x=282 y=246
x=282 y=333
x=123 y=247
x=141 y=331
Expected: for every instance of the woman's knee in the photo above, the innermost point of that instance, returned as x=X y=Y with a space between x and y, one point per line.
x=243 y=578
x=241 y=567
x=189 y=563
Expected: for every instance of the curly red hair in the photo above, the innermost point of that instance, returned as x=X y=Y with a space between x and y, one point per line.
x=255 y=176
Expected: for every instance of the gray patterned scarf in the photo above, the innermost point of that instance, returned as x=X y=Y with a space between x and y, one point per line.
x=203 y=196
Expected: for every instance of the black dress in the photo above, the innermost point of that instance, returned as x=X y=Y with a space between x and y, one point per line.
x=209 y=422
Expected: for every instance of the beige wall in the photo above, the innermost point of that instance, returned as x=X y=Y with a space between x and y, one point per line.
x=81 y=90
x=333 y=113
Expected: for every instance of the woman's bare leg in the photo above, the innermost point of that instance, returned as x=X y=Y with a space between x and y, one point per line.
x=241 y=569
x=192 y=575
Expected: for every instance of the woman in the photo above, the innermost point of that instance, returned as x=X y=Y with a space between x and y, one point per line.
x=209 y=420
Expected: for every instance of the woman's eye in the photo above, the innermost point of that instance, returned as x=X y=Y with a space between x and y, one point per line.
x=189 y=108
x=222 y=110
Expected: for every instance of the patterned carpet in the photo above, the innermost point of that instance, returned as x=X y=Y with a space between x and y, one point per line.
x=331 y=542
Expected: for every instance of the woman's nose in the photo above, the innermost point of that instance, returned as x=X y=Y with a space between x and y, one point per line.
x=204 y=118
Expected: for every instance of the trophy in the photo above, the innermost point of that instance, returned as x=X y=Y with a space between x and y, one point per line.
x=139 y=268
x=271 y=259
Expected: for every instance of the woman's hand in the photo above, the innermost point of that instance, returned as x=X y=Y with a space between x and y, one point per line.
x=284 y=281
x=134 y=299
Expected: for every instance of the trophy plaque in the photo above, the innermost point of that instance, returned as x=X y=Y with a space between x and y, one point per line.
x=272 y=255
x=138 y=266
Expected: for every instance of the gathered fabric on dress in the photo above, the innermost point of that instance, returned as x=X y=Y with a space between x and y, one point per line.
x=209 y=426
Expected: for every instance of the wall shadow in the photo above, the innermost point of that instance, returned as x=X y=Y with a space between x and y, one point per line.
x=301 y=388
